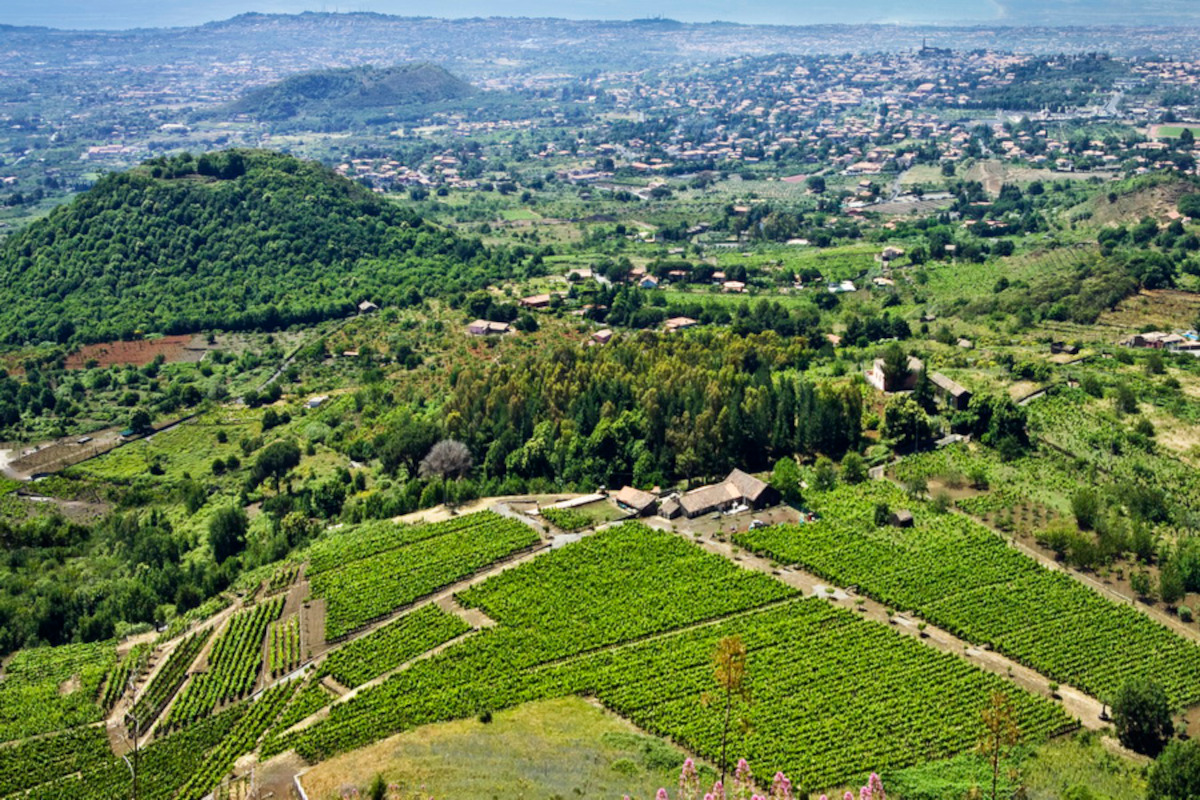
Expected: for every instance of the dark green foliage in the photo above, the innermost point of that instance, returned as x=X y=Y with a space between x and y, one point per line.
x=227 y=532
x=1142 y=716
x=352 y=89
x=168 y=248
x=275 y=461
x=1175 y=775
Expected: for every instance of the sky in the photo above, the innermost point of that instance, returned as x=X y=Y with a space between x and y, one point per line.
x=117 y=14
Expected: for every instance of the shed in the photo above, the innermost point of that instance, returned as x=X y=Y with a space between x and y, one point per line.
x=901 y=519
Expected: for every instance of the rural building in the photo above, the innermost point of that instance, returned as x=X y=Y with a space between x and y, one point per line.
x=1061 y=347
x=901 y=519
x=648 y=282
x=536 y=301
x=952 y=393
x=602 y=337
x=679 y=323
x=366 y=307
x=739 y=489
x=635 y=500
x=318 y=401
x=482 y=327
x=875 y=376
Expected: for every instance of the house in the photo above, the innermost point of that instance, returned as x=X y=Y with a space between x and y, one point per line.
x=966 y=344
x=635 y=500
x=734 y=287
x=367 y=307
x=536 y=301
x=483 y=327
x=602 y=337
x=952 y=393
x=876 y=378
x=679 y=323
x=901 y=519
x=648 y=282
x=318 y=401
x=1060 y=347
x=740 y=489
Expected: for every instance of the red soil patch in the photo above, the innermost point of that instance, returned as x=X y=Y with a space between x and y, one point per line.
x=138 y=352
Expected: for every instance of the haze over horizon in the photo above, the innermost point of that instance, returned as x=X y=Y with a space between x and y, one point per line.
x=124 y=14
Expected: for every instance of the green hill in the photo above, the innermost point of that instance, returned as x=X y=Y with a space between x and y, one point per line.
x=240 y=239
x=354 y=89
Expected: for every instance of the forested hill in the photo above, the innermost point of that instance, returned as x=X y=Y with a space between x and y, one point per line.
x=352 y=89
x=233 y=240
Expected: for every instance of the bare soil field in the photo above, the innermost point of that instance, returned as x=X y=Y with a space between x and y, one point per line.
x=138 y=352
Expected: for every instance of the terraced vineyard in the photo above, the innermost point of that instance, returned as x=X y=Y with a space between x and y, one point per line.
x=962 y=577
x=233 y=665
x=283 y=647
x=368 y=588
x=394 y=644
x=168 y=680
x=50 y=689
x=37 y=761
x=118 y=680
x=164 y=765
x=304 y=703
x=632 y=615
x=831 y=694
x=357 y=542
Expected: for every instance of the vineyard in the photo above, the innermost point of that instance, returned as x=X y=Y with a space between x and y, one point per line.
x=306 y=702
x=168 y=680
x=632 y=616
x=37 y=761
x=567 y=519
x=233 y=665
x=283 y=647
x=369 y=588
x=965 y=579
x=384 y=650
x=49 y=689
x=117 y=682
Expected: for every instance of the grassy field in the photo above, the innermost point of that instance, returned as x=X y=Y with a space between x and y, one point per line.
x=556 y=748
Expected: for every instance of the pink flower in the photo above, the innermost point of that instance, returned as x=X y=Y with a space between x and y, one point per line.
x=689 y=781
x=876 y=787
x=662 y=795
x=718 y=791
x=848 y=796
x=781 y=787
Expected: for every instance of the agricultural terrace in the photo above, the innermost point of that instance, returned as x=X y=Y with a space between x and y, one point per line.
x=962 y=577
x=632 y=615
x=50 y=689
x=360 y=591
x=392 y=645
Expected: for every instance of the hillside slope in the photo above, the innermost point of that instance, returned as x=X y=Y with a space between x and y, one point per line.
x=352 y=89
x=234 y=240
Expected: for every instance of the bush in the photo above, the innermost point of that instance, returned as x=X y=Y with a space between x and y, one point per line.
x=1176 y=773
x=1185 y=613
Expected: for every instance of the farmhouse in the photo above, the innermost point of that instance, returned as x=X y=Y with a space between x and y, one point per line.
x=739 y=489
x=602 y=337
x=635 y=500
x=367 y=307
x=482 y=327
x=952 y=394
x=536 y=301
x=901 y=519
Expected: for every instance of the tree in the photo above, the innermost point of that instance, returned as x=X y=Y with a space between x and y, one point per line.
x=905 y=423
x=227 y=532
x=815 y=184
x=447 y=459
x=923 y=391
x=1142 y=716
x=882 y=514
x=275 y=461
x=785 y=479
x=824 y=476
x=729 y=671
x=1170 y=582
x=139 y=421
x=1085 y=505
x=1175 y=774
x=854 y=468
x=894 y=366
x=1001 y=734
